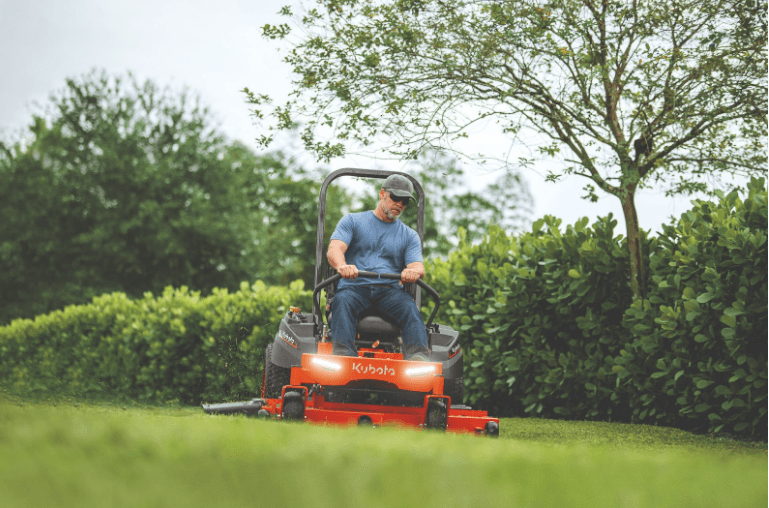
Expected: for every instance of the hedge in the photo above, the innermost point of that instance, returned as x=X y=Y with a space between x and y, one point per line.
x=178 y=346
x=703 y=330
x=550 y=327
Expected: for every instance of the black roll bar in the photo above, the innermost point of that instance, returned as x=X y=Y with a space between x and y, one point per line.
x=360 y=173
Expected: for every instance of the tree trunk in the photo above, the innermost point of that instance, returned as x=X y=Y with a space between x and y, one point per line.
x=633 y=242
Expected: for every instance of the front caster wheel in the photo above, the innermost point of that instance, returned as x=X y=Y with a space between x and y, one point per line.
x=437 y=414
x=293 y=407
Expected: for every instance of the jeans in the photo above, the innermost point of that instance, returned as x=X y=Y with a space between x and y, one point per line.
x=392 y=301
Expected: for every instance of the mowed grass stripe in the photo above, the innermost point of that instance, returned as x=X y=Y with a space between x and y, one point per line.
x=108 y=456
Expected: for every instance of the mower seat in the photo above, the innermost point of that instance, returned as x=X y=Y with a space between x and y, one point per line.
x=376 y=323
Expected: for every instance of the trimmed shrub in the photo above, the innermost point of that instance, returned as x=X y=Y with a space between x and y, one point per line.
x=178 y=346
x=703 y=330
x=550 y=329
x=540 y=316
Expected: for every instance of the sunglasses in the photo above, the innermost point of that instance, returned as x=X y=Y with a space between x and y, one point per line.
x=399 y=199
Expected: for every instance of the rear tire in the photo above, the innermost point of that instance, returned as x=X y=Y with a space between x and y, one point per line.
x=275 y=377
x=455 y=388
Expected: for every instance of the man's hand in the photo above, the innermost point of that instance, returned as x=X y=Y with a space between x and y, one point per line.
x=409 y=275
x=348 y=271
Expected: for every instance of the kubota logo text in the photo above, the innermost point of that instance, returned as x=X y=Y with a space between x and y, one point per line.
x=384 y=370
x=289 y=339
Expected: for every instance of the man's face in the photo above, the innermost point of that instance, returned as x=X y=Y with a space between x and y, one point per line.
x=392 y=207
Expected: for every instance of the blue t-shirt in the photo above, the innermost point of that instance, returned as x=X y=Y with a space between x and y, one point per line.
x=374 y=245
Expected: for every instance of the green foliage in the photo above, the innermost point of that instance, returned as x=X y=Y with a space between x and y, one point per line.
x=703 y=330
x=122 y=186
x=550 y=327
x=284 y=227
x=177 y=346
x=539 y=315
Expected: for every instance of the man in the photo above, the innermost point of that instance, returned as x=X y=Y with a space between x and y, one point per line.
x=377 y=241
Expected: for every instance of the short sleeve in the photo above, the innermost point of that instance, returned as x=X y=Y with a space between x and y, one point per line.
x=344 y=230
x=413 y=249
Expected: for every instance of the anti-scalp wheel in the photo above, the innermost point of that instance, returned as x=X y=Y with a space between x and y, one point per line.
x=492 y=429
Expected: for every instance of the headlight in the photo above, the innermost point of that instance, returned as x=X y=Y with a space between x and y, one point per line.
x=420 y=371
x=326 y=364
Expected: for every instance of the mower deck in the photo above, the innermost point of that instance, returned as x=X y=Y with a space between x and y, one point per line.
x=318 y=411
x=306 y=398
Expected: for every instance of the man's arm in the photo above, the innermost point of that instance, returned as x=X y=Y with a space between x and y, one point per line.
x=413 y=272
x=335 y=255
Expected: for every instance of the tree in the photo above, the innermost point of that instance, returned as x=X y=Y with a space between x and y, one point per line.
x=285 y=229
x=122 y=186
x=628 y=94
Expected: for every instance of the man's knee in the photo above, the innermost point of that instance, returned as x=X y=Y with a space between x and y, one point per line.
x=407 y=311
x=409 y=306
x=343 y=300
x=348 y=303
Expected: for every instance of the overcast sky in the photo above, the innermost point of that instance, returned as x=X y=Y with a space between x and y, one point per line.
x=213 y=48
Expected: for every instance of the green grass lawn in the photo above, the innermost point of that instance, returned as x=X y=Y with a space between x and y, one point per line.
x=105 y=455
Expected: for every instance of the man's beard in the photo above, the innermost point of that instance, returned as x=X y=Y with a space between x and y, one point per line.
x=389 y=213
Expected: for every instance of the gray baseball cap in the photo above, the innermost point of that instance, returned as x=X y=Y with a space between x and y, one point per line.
x=400 y=186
